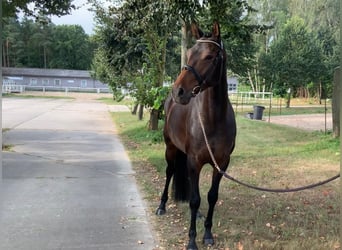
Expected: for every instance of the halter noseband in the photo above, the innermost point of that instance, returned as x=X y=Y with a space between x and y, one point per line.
x=198 y=88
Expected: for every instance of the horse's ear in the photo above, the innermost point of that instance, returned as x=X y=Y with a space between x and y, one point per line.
x=196 y=31
x=216 y=30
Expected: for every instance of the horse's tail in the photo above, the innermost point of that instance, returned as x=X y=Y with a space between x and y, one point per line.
x=181 y=184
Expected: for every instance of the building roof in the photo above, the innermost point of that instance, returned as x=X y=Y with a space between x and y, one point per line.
x=45 y=72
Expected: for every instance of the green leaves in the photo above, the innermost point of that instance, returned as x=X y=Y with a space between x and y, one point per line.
x=160 y=94
x=44 y=45
x=294 y=59
x=37 y=7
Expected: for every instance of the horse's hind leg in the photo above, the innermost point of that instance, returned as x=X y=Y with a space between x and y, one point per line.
x=170 y=155
x=165 y=196
x=208 y=238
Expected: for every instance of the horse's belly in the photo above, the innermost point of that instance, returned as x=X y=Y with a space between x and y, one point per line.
x=178 y=137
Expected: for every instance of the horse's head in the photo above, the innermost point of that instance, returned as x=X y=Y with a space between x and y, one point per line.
x=204 y=67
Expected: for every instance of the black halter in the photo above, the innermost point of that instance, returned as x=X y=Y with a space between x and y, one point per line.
x=198 y=88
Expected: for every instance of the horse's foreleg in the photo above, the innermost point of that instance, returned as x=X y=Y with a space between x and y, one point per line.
x=195 y=201
x=208 y=238
x=165 y=196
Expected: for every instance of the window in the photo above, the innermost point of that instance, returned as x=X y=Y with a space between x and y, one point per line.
x=57 y=82
x=33 y=81
x=83 y=83
x=45 y=82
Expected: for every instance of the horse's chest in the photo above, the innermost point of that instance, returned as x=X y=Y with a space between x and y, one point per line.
x=213 y=135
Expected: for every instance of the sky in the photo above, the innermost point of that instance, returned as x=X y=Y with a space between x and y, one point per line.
x=79 y=16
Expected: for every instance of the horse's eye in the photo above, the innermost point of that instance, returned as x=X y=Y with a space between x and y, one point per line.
x=208 y=57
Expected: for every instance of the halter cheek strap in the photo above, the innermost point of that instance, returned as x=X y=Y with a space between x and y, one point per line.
x=199 y=79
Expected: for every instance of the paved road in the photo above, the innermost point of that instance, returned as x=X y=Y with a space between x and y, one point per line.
x=68 y=184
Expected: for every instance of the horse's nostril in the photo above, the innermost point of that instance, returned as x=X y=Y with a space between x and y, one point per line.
x=180 y=92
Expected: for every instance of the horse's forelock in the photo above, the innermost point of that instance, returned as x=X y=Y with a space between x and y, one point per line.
x=207 y=35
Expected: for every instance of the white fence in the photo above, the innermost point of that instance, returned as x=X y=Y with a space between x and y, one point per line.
x=244 y=102
x=251 y=97
x=8 y=88
x=12 y=88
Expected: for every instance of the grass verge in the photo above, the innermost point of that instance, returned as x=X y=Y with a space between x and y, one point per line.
x=266 y=155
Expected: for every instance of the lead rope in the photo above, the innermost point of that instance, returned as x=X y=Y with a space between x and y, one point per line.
x=248 y=185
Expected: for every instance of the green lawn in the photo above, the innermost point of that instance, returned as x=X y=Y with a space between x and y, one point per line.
x=266 y=155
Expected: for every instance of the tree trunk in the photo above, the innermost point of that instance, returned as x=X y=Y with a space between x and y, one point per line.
x=141 y=112
x=251 y=80
x=153 y=124
x=186 y=42
x=257 y=84
x=45 y=60
x=135 y=108
x=4 y=56
x=7 y=53
x=336 y=109
x=288 y=97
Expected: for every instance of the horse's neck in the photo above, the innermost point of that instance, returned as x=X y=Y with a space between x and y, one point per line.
x=215 y=102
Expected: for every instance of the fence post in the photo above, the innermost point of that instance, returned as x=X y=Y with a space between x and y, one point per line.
x=336 y=103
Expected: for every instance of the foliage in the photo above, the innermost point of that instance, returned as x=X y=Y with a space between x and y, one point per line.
x=294 y=59
x=29 y=43
x=321 y=21
x=36 y=8
x=149 y=29
x=133 y=40
x=71 y=48
x=237 y=31
x=131 y=33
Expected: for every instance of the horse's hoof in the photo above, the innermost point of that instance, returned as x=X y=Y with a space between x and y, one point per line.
x=160 y=211
x=208 y=242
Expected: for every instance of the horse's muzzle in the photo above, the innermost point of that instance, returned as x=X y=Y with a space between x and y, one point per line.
x=181 y=96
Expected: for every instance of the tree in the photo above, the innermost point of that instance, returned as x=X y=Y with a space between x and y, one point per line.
x=322 y=19
x=71 y=48
x=35 y=8
x=294 y=59
x=271 y=15
x=236 y=30
x=119 y=57
x=141 y=33
x=186 y=10
x=31 y=43
x=10 y=47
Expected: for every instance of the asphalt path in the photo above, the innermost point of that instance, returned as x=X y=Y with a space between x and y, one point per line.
x=67 y=181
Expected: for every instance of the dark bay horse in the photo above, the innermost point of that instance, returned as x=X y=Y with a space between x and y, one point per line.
x=199 y=95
